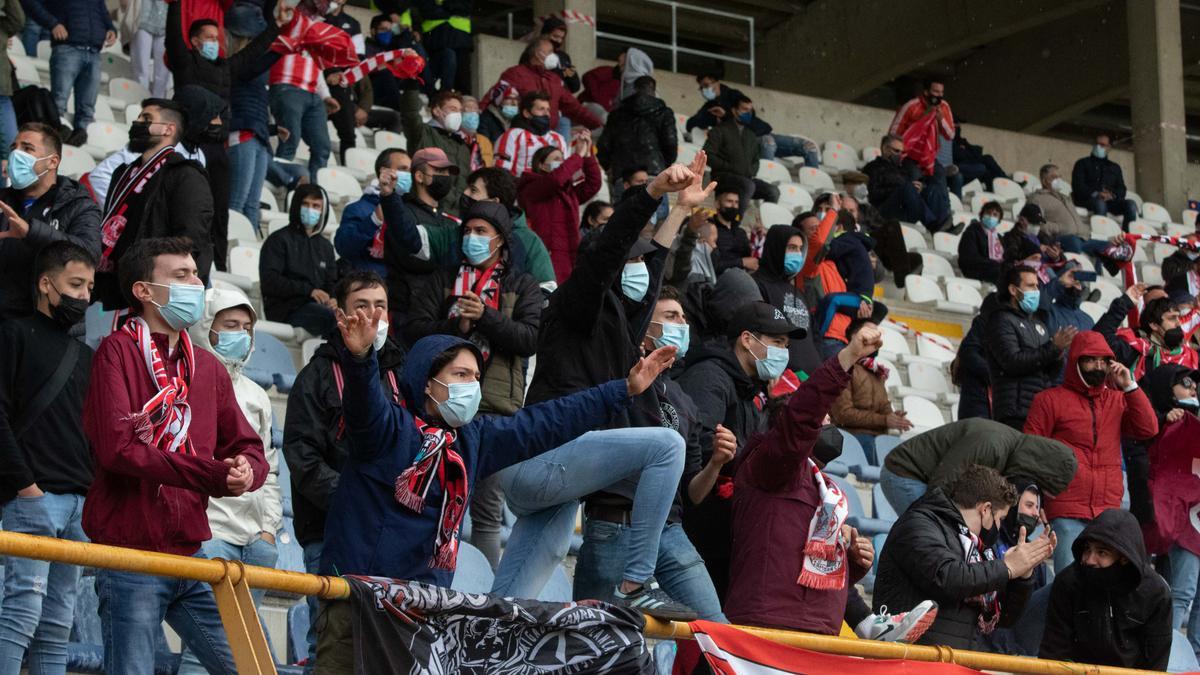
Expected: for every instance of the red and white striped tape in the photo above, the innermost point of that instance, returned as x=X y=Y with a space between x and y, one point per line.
x=571 y=16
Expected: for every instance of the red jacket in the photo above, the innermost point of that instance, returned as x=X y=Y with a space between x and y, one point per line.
x=1092 y=421
x=527 y=78
x=143 y=497
x=774 y=499
x=551 y=203
x=602 y=86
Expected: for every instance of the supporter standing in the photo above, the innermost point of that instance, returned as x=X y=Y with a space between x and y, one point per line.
x=301 y=103
x=863 y=408
x=969 y=369
x=551 y=192
x=297 y=266
x=446 y=34
x=41 y=207
x=1023 y=357
x=204 y=135
x=640 y=132
x=1158 y=340
x=244 y=527
x=359 y=239
x=533 y=74
x=387 y=36
x=920 y=123
x=441 y=132
x=144 y=25
x=1096 y=406
x=201 y=446
x=160 y=193
x=602 y=85
x=47 y=464
x=734 y=151
x=1098 y=184
x=1109 y=607
x=941 y=548
x=529 y=132
x=718 y=98
x=200 y=60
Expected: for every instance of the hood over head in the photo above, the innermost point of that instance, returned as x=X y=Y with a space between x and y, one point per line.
x=306 y=190
x=493 y=212
x=418 y=363
x=734 y=288
x=637 y=64
x=1119 y=530
x=217 y=300
x=200 y=106
x=1086 y=343
x=775 y=246
x=1158 y=383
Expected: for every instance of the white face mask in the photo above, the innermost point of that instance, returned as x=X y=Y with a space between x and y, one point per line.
x=452 y=121
x=381 y=335
x=551 y=61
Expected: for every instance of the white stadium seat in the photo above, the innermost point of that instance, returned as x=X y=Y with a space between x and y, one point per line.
x=913 y=241
x=127 y=91
x=1104 y=227
x=390 y=139
x=243 y=261
x=981 y=198
x=958 y=290
x=1007 y=190
x=1108 y=292
x=1093 y=309
x=956 y=205
x=946 y=243
x=869 y=153
x=1142 y=226
x=923 y=413
x=1155 y=212
x=339 y=184
x=1188 y=217
x=794 y=197
x=75 y=162
x=814 y=180
x=241 y=230
x=774 y=214
x=921 y=289
x=773 y=172
x=935 y=266
x=894 y=343
x=839 y=156
x=1026 y=179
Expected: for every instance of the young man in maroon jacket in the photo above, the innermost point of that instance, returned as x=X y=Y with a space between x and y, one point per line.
x=167 y=433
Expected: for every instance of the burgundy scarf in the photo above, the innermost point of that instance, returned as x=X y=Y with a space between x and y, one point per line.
x=485 y=284
x=437 y=460
x=125 y=203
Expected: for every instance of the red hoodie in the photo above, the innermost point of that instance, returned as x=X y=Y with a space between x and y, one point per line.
x=143 y=497
x=1092 y=421
x=551 y=203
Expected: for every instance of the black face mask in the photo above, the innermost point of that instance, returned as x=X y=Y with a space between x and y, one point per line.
x=1093 y=378
x=213 y=133
x=140 y=139
x=1173 y=338
x=69 y=311
x=894 y=158
x=731 y=214
x=465 y=203
x=539 y=124
x=934 y=100
x=1026 y=521
x=440 y=187
x=1102 y=577
x=989 y=536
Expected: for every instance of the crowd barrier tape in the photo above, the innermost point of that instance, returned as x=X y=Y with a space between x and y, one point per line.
x=232 y=581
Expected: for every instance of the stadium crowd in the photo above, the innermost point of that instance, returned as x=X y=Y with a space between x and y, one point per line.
x=497 y=338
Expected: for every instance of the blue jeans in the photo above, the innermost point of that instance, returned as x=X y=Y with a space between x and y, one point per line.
x=257 y=552
x=901 y=492
x=133 y=607
x=31 y=35
x=248 y=164
x=1185 y=570
x=779 y=145
x=830 y=347
x=442 y=68
x=312 y=565
x=1120 y=207
x=314 y=318
x=544 y=493
x=906 y=204
x=303 y=114
x=867 y=441
x=78 y=68
x=1067 y=530
x=39 y=596
x=680 y=570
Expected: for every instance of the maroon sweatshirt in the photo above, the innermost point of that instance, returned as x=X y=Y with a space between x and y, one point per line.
x=774 y=498
x=143 y=497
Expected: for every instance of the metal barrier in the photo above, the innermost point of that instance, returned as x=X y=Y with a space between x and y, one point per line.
x=231 y=582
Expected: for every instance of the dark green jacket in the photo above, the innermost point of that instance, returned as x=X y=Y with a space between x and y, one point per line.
x=423 y=135
x=732 y=148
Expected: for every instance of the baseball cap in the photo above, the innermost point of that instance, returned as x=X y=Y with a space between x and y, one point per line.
x=760 y=317
x=1033 y=214
x=434 y=157
x=642 y=246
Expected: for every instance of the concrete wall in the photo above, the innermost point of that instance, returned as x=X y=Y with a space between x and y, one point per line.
x=825 y=120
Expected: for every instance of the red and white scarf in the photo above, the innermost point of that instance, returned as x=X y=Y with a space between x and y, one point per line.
x=437 y=459
x=164 y=420
x=988 y=603
x=403 y=67
x=824 y=565
x=485 y=284
x=134 y=182
x=878 y=369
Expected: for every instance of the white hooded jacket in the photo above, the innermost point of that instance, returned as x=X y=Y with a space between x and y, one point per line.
x=239 y=520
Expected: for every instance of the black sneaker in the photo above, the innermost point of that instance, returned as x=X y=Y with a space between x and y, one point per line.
x=652 y=600
x=77 y=138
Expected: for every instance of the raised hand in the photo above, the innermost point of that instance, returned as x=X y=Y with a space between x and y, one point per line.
x=359 y=329
x=15 y=227
x=1135 y=292
x=1064 y=336
x=1027 y=555
x=696 y=193
x=672 y=179
x=1119 y=375
x=647 y=368
x=866 y=341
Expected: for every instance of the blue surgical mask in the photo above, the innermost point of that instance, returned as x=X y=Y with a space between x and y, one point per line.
x=461 y=404
x=1099 y=151
x=470 y=121
x=233 y=345
x=745 y=117
x=403 y=182
x=20 y=168
x=1029 y=301
x=509 y=111
x=185 y=305
x=477 y=248
x=635 y=281
x=555 y=164
x=309 y=218
x=384 y=38
x=708 y=93
x=674 y=335
x=793 y=262
x=210 y=50
x=990 y=222
x=1190 y=403
x=773 y=364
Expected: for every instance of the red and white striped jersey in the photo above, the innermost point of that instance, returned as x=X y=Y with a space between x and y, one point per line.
x=515 y=148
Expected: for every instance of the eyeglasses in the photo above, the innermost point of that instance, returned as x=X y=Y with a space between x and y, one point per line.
x=1187 y=383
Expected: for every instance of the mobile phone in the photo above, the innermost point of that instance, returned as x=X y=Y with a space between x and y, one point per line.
x=1080 y=275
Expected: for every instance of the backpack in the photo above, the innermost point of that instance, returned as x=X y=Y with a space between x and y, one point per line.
x=36 y=104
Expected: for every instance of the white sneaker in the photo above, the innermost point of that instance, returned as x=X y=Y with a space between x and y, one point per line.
x=904 y=627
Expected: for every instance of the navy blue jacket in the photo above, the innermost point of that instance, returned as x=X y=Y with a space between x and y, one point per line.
x=86 y=21
x=356 y=233
x=389 y=540
x=1091 y=175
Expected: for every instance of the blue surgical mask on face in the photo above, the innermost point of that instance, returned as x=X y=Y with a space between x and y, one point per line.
x=309 y=218
x=990 y=222
x=773 y=364
x=1099 y=151
x=185 y=305
x=745 y=117
x=233 y=345
x=674 y=335
x=470 y=121
x=793 y=262
x=477 y=248
x=1190 y=403
x=1029 y=301
x=635 y=281
x=461 y=404
x=403 y=182
x=210 y=50
x=384 y=38
x=21 y=168
x=708 y=93
x=509 y=111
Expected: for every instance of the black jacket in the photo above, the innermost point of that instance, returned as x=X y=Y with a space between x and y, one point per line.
x=1126 y=623
x=179 y=203
x=639 y=132
x=971 y=373
x=778 y=289
x=590 y=332
x=66 y=212
x=732 y=149
x=53 y=452
x=733 y=244
x=293 y=264
x=973 y=257
x=1091 y=175
x=726 y=99
x=851 y=252
x=314 y=445
x=404 y=268
x=1176 y=265
x=923 y=559
x=1022 y=360
x=883 y=178
x=189 y=67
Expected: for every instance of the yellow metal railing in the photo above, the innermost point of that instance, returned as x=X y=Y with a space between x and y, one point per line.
x=231 y=582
